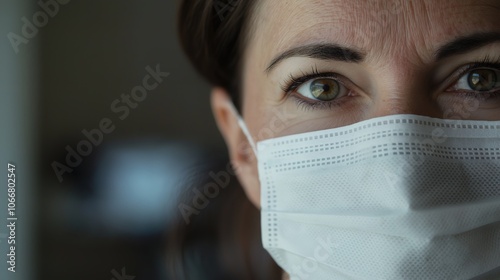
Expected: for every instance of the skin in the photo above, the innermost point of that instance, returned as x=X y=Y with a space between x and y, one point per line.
x=399 y=74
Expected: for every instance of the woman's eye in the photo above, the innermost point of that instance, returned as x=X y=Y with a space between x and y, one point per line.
x=482 y=79
x=322 y=89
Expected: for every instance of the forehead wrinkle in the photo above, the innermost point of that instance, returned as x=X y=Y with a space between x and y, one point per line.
x=423 y=27
x=472 y=17
x=408 y=32
x=417 y=29
x=342 y=22
x=314 y=25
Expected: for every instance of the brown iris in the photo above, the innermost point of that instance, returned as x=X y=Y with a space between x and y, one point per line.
x=325 y=89
x=482 y=79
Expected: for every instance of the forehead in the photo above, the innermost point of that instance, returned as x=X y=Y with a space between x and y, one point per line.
x=377 y=27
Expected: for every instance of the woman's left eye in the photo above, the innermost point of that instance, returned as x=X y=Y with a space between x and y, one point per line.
x=479 y=80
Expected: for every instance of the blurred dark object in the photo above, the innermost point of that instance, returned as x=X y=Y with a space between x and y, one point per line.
x=119 y=207
x=221 y=238
x=134 y=187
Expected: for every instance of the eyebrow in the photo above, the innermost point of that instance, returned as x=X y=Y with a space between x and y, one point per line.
x=466 y=44
x=320 y=51
x=328 y=51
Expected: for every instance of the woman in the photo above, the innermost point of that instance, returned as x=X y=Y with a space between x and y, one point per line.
x=366 y=132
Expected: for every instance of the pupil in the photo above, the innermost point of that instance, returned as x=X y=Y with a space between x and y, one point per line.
x=482 y=80
x=324 y=89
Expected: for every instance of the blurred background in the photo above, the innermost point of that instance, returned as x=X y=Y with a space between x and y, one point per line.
x=104 y=119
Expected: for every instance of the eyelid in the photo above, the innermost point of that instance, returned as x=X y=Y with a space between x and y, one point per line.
x=342 y=89
x=317 y=75
x=463 y=70
x=306 y=102
x=497 y=83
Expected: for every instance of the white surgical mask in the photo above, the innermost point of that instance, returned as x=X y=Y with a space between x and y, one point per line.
x=395 y=197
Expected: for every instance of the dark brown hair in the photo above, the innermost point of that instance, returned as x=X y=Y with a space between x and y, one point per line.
x=213 y=34
x=223 y=241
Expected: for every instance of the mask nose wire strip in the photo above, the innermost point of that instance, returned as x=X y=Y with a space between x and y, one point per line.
x=244 y=128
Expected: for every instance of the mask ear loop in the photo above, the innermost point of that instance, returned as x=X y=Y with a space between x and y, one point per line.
x=244 y=128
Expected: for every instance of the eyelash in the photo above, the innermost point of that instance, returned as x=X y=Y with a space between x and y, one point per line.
x=486 y=62
x=292 y=83
x=295 y=82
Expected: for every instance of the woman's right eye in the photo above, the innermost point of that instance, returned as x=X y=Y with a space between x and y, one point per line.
x=322 y=89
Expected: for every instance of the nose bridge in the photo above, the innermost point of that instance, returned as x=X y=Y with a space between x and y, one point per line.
x=406 y=100
x=404 y=89
x=396 y=105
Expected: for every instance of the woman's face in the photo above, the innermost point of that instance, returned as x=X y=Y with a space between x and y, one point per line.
x=355 y=60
